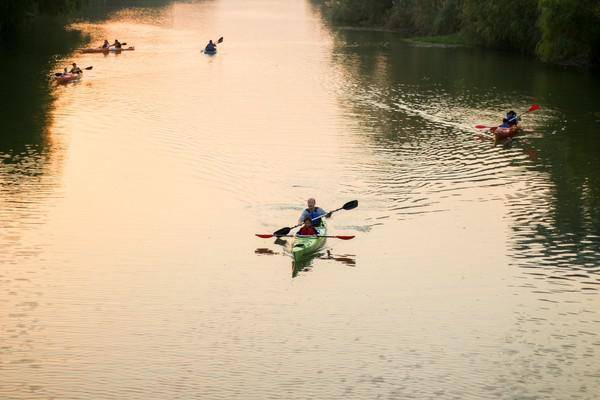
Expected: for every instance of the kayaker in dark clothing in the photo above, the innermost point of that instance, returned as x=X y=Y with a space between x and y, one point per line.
x=105 y=45
x=512 y=118
x=75 y=69
x=210 y=47
x=308 y=229
x=313 y=212
x=504 y=123
x=117 y=44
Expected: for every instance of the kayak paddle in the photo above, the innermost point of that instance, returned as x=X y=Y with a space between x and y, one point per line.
x=348 y=206
x=62 y=73
x=343 y=237
x=534 y=107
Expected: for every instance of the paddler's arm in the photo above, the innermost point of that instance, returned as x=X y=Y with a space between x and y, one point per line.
x=326 y=214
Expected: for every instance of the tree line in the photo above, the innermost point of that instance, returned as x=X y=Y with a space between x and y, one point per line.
x=15 y=13
x=564 y=31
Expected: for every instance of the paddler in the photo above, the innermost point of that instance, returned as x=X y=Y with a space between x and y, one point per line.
x=210 y=47
x=313 y=213
x=117 y=44
x=308 y=229
x=75 y=69
x=105 y=45
x=512 y=119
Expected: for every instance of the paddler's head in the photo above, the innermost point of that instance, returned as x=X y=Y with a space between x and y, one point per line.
x=311 y=203
x=307 y=222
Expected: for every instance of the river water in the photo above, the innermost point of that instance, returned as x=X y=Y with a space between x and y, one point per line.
x=130 y=199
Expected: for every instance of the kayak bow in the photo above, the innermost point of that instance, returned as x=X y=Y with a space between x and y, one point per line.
x=505 y=133
x=304 y=246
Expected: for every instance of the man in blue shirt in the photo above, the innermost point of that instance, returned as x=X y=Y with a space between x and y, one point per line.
x=313 y=212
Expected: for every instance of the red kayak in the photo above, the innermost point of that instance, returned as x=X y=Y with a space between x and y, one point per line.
x=68 y=77
x=505 y=133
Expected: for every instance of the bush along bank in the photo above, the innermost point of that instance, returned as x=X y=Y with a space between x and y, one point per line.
x=560 y=31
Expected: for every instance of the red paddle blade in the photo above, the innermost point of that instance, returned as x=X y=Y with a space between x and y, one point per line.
x=345 y=237
x=534 y=108
x=481 y=126
x=264 y=236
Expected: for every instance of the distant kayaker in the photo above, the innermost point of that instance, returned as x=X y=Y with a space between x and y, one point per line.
x=106 y=44
x=117 y=44
x=512 y=118
x=75 y=69
x=313 y=213
x=308 y=229
x=210 y=47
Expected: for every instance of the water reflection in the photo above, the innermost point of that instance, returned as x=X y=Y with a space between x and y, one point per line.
x=307 y=263
x=417 y=106
x=31 y=156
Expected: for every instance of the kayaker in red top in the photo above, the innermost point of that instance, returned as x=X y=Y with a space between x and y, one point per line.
x=308 y=229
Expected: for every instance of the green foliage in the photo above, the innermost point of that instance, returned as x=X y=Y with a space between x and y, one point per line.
x=414 y=16
x=428 y=17
x=359 y=12
x=508 y=24
x=570 y=31
x=14 y=12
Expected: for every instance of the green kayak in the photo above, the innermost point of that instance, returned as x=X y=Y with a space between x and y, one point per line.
x=304 y=246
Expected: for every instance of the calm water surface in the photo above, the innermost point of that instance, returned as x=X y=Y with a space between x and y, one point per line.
x=129 y=203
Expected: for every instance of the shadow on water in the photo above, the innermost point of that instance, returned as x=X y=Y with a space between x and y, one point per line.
x=417 y=106
x=306 y=263
x=30 y=154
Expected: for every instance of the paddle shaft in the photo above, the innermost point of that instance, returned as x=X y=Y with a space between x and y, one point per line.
x=534 y=107
x=319 y=217
x=62 y=73
x=343 y=237
x=348 y=206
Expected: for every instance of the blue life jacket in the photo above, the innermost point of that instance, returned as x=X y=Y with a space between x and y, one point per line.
x=315 y=214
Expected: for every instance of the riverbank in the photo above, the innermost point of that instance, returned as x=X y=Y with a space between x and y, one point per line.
x=533 y=27
x=454 y=40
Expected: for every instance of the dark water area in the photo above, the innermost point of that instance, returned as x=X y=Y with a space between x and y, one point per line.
x=453 y=85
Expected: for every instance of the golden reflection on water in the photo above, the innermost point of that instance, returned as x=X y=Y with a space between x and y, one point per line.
x=135 y=272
